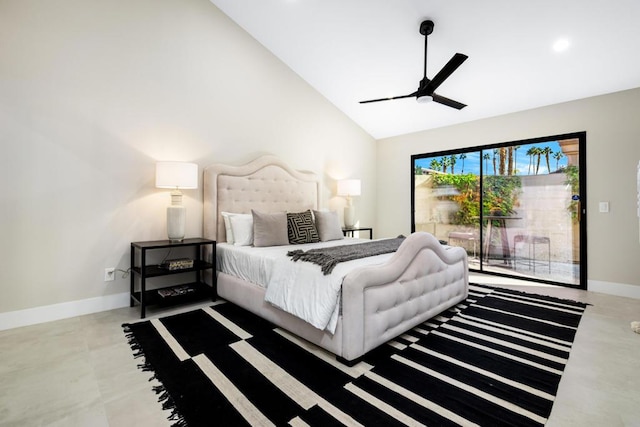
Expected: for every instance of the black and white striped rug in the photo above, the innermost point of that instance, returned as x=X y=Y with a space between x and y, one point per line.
x=495 y=359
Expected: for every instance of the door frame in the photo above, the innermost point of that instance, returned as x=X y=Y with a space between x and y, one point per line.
x=581 y=137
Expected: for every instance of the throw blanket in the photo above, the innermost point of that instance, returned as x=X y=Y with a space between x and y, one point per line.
x=327 y=258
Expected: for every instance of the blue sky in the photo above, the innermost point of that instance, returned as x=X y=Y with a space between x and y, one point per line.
x=472 y=161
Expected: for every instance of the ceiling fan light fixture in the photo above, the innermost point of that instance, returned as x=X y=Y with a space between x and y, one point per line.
x=425 y=99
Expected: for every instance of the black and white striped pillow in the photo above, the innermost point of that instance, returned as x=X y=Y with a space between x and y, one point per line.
x=301 y=228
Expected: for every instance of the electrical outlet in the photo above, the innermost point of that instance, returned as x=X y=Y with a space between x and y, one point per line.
x=109 y=274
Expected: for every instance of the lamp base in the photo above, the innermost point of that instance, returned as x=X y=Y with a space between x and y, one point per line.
x=349 y=217
x=176 y=219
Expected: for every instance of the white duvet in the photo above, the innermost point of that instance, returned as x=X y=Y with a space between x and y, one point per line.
x=299 y=287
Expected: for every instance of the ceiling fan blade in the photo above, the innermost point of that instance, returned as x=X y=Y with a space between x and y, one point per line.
x=389 y=99
x=445 y=72
x=448 y=102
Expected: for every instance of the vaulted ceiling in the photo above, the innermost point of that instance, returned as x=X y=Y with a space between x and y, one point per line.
x=353 y=50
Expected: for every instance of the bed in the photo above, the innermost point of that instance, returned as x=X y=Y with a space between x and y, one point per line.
x=377 y=302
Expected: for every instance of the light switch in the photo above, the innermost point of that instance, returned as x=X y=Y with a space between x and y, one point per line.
x=604 y=207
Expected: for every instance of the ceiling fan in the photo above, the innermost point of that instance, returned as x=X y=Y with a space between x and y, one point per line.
x=425 y=92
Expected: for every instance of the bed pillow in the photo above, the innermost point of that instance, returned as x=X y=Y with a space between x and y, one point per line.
x=328 y=225
x=301 y=228
x=242 y=229
x=269 y=229
x=226 y=216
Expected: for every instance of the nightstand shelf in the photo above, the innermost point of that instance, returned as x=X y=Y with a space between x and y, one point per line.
x=156 y=270
x=152 y=297
x=190 y=291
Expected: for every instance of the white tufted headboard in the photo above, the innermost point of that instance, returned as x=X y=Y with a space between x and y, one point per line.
x=266 y=184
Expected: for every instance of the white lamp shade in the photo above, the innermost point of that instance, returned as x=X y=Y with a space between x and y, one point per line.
x=176 y=175
x=349 y=187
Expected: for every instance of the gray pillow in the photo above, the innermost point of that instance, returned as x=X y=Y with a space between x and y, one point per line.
x=269 y=229
x=328 y=225
x=301 y=228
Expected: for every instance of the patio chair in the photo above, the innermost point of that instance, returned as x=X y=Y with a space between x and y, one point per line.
x=531 y=241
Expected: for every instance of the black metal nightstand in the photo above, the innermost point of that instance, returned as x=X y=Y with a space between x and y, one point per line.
x=351 y=230
x=175 y=294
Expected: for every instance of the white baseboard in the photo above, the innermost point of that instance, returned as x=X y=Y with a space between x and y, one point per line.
x=64 y=310
x=611 y=288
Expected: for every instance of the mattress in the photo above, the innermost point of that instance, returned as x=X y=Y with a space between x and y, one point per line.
x=256 y=265
x=298 y=288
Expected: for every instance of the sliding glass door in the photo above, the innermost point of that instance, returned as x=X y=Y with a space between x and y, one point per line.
x=515 y=207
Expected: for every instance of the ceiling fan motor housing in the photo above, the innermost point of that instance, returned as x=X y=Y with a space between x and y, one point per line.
x=426 y=27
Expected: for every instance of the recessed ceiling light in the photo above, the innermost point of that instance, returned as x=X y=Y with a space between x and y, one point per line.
x=561 y=45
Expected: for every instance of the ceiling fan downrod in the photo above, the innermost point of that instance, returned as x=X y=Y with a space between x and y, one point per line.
x=426 y=28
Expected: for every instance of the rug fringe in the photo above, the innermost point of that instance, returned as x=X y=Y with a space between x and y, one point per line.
x=164 y=397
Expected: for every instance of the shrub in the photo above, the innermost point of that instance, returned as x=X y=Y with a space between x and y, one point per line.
x=500 y=194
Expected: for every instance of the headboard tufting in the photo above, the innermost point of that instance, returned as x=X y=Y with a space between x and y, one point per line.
x=266 y=184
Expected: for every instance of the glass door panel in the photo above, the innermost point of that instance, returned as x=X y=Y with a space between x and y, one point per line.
x=531 y=196
x=447 y=199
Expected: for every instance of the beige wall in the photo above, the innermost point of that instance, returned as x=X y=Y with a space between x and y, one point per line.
x=613 y=151
x=92 y=93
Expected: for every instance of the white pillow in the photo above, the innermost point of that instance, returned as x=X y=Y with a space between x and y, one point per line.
x=227 y=225
x=328 y=225
x=242 y=229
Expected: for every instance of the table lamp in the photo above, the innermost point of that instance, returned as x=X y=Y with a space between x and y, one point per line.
x=348 y=188
x=176 y=175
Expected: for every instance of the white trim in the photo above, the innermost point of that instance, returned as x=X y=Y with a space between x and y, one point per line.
x=64 y=310
x=612 y=288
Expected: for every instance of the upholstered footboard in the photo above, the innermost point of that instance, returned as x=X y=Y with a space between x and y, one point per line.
x=422 y=279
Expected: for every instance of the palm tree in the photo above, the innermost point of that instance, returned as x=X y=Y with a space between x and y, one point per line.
x=503 y=160
x=531 y=152
x=509 y=161
x=558 y=156
x=547 y=151
x=452 y=161
x=445 y=161
x=538 y=153
x=462 y=157
x=495 y=153
x=515 y=158
x=435 y=165
x=486 y=158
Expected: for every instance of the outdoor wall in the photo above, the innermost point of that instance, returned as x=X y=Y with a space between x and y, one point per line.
x=93 y=93
x=543 y=206
x=613 y=151
x=541 y=209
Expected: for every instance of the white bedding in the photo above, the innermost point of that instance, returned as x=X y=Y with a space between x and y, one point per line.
x=298 y=288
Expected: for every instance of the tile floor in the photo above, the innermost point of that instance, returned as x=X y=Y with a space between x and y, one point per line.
x=80 y=371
